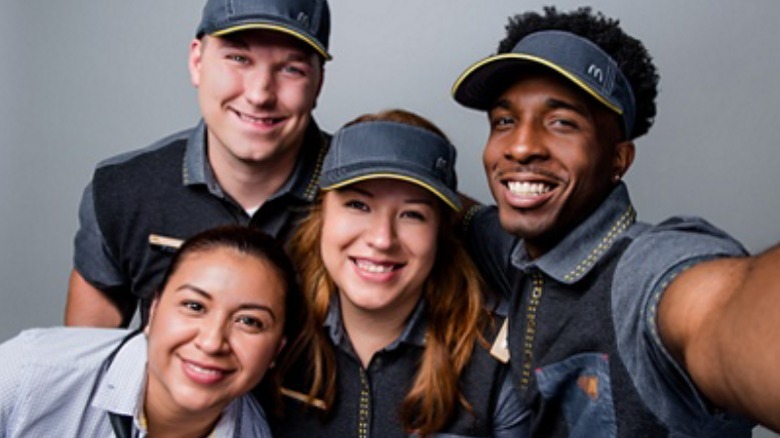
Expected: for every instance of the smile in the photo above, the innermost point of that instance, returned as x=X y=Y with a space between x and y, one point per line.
x=375 y=268
x=204 y=374
x=526 y=188
x=267 y=121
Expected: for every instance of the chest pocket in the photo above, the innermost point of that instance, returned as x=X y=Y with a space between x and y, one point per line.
x=581 y=385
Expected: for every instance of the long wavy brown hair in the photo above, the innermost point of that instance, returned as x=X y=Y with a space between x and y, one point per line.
x=454 y=312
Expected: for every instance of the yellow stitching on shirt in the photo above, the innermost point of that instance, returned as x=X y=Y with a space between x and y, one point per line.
x=621 y=225
x=311 y=189
x=470 y=213
x=530 y=328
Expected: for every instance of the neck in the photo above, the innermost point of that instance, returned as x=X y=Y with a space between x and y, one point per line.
x=251 y=183
x=179 y=429
x=165 y=419
x=370 y=332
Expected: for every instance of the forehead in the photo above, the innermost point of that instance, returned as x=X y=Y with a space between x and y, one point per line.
x=224 y=272
x=379 y=187
x=540 y=82
x=548 y=85
x=262 y=38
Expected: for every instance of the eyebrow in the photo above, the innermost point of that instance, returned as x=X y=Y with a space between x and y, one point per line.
x=209 y=297
x=371 y=195
x=236 y=42
x=550 y=102
x=554 y=103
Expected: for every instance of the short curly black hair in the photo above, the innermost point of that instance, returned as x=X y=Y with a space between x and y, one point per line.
x=629 y=53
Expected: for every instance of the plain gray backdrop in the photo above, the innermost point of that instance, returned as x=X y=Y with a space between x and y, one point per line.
x=86 y=79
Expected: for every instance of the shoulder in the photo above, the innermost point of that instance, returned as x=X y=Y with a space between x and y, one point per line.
x=489 y=246
x=644 y=272
x=158 y=147
x=659 y=253
x=671 y=246
x=66 y=345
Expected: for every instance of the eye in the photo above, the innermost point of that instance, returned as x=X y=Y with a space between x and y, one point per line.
x=294 y=70
x=193 y=306
x=240 y=59
x=414 y=214
x=564 y=124
x=354 y=204
x=251 y=323
x=499 y=122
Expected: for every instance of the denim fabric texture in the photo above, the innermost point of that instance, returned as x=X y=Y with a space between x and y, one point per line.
x=592 y=300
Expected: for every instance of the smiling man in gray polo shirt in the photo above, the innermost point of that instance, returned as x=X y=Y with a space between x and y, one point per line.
x=254 y=158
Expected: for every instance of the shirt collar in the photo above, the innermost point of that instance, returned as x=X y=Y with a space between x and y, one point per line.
x=122 y=385
x=121 y=389
x=413 y=333
x=302 y=184
x=574 y=256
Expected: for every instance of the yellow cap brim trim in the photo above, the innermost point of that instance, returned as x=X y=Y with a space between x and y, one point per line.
x=537 y=60
x=406 y=178
x=277 y=28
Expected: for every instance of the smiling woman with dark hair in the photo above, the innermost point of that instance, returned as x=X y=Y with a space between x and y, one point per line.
x=215 y=328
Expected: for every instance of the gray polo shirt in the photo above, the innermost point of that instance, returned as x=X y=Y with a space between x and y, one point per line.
x=140 y=204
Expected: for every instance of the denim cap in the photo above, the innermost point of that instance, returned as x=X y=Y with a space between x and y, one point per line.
x=575 y=58
x=306 y=20
x=382 y=149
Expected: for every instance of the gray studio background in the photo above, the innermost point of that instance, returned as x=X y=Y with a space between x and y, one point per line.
x=82 y=80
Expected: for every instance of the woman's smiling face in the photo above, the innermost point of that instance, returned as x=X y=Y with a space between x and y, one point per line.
x=214 y=331
x=379 y=240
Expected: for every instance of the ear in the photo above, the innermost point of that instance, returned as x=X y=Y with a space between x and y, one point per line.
x=152 y=312
x=622 y=158
x=195 y=59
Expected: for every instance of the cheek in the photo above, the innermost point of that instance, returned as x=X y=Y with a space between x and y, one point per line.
x=424 y=244
x=338 y=230
x=332 y=241
x=218 y=81
x=298 y=95
x=256 y=355
x=490 y=154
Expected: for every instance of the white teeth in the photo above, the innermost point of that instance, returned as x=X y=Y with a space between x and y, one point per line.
x=256 y=119
x=202 y=370
x=373 y=268
x=526 y=188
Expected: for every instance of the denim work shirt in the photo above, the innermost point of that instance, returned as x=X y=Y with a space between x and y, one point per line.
x=585 y=351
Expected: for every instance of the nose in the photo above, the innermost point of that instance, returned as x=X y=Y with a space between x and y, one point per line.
x=381 y=232
x=527 y=144
x=213 y=335
x=260 y=87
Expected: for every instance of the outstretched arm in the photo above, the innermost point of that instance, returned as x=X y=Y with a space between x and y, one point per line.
x=90 y=306
x=719 y=320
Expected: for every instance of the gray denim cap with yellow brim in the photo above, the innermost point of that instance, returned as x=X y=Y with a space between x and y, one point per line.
x=575 y=58
x=306 y=20
x=393 y=150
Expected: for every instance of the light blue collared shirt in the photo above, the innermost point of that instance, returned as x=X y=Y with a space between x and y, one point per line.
x=52 y=383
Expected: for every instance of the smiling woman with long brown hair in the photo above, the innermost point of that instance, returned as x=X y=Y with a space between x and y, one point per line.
x=399 y=330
